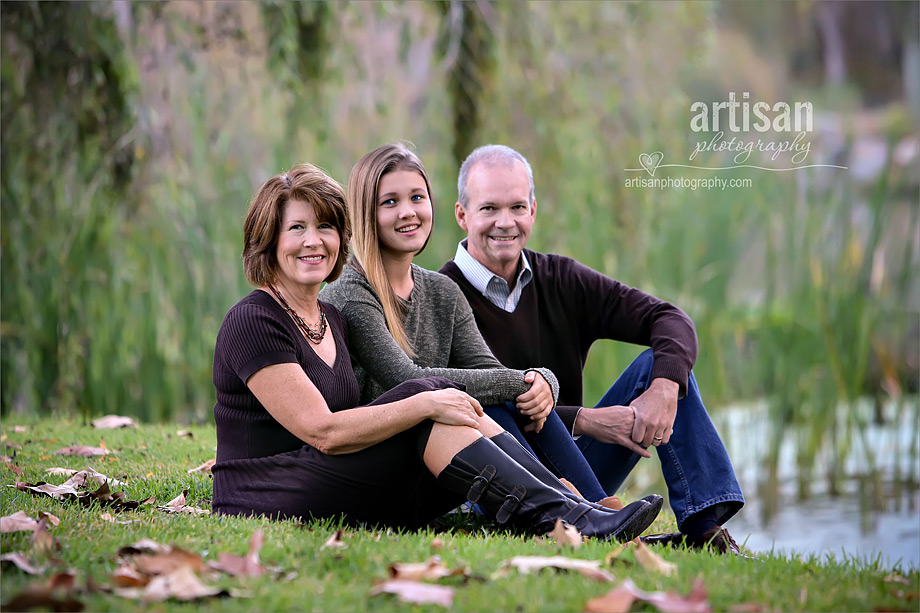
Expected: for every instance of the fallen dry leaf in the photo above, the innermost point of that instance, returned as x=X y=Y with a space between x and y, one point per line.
x=178 y=505
x=527 y=564
x=416 y=592
x=185 y=433
x=43 y=542
x=111 y=518
x=82 y=450
x=166 y=562
x=52 y=519
x=16 y=470
x=566 y=535
x=42 y=597
x=614 y=556
x=17 y=522
x=243 y=566
x=894 y=578
x=128 y=576
x=143 y=546
x=204 y=468
x=87 y=476
x=181 y=584
x=110 y=422
x=620 y=599
x=432 y=569
x=437 y=543
x=21 y=562
x=335 y=541
x=649 y=560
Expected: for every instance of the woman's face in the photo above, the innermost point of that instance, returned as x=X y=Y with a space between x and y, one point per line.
x=403 y=213
x=307 y=248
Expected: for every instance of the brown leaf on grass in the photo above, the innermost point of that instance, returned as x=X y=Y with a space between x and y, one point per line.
x=83 y=451
x=62 y=581
x=43 y=542
x=437 y=543
x=110 y=422
x=42 y=597
x=620 y=599
x=243 y=566
x=416 y=592
x=16 y=470
x=181 y=584
x=85 y=477
x=649 y=560
x=166 y=562
x=566 y=535
x=204 y=468
x=527 y=564
x=58 y=492
x=432 y=569
x=335 y=541
x=128 y=576
x=143 y=546
x=111 y=518
x=178 y=505
x=52 y=519
x=17 y=522
x=19 y=559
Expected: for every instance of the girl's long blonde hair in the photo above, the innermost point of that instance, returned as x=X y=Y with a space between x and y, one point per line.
x=361 y=200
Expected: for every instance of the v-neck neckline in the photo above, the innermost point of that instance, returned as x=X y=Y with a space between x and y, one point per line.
x=298 y=334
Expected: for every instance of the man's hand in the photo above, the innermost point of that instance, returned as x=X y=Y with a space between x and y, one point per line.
x=610 y=425
x=655 y=409
x=537 y=402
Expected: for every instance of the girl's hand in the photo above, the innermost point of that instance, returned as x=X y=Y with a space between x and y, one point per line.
x=537 y=402
x=452 y=407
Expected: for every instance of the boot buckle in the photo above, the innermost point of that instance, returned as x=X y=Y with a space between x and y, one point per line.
x=511 y=504
x=480 y=483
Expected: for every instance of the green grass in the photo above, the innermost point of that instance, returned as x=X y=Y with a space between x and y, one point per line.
x=153 y=460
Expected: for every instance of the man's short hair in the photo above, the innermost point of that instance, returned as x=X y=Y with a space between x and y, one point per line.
x=490 y=155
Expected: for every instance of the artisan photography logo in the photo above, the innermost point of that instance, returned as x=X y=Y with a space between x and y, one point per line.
x=753 y=133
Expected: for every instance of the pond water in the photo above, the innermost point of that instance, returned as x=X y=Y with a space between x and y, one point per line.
x=854 y=523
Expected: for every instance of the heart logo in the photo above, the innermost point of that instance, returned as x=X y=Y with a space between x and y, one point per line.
x=650 y=161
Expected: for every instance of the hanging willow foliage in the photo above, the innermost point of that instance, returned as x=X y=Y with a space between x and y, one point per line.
x=467 y=45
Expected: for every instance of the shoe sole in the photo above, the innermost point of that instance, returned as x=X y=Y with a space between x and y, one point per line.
x=639 y=522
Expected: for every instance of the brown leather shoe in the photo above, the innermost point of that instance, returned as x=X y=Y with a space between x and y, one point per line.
x=716 y=538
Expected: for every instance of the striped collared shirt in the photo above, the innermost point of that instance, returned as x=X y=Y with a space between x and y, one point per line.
x=493 y=287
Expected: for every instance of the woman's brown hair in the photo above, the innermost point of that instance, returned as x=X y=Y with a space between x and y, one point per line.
x=306 y=183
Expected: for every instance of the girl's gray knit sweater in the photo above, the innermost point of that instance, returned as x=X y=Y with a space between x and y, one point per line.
x=440 y=325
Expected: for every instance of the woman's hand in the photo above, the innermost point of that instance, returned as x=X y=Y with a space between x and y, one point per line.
x=452 y=407
x=537 y=402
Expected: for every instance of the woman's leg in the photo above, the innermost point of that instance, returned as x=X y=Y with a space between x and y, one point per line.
x=467 y=461
x=553 y=446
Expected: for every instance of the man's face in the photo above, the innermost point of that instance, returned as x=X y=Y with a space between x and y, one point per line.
x=499 y=215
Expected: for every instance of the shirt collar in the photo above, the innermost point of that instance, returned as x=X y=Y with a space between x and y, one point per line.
x=480 y=276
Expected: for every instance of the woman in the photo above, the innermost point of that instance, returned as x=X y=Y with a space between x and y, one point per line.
x=406 y=322
x=291 y=441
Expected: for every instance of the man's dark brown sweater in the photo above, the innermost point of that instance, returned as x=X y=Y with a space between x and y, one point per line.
x=564 y=309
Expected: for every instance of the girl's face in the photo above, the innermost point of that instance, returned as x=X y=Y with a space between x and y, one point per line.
x=403 y=213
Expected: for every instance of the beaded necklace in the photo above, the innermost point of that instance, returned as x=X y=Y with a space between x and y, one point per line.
x=314 y=336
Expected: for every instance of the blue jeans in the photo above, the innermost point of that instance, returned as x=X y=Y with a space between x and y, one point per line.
x=553 y=446
x=695 y=464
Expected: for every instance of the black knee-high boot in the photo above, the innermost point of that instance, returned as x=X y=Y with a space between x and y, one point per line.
x=510 y=445
x=489 y=476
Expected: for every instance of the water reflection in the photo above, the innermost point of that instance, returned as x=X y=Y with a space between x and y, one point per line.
x=872 y=515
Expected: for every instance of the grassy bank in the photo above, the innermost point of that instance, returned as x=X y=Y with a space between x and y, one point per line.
x=303 y=575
